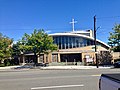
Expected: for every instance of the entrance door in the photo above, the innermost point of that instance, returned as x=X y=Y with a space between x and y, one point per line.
x=54 y=57
x=71 y=57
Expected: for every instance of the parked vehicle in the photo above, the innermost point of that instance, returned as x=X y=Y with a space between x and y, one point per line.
x=42 y=64
x=24 y=67
x=32 y=65
x=117 y=64
x=109 y=82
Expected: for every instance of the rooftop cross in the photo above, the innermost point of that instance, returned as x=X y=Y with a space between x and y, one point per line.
x=73 y=24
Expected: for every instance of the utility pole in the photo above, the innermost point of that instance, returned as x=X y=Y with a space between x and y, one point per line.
x=97 y=63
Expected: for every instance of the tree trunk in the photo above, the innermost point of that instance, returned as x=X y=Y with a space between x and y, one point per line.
x=35 y=58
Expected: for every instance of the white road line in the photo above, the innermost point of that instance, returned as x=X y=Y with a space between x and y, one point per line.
x=64 y=86
x=97 y=75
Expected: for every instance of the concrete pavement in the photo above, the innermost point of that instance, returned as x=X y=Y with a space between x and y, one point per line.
x=72 y=67
x=8 y=67
x=36 y=79
x=58 y=67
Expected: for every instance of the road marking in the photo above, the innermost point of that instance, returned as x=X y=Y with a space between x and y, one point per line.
x=63 y=86
x=97 y=75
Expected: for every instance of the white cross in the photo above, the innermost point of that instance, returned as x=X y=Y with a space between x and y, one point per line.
x=73 y=24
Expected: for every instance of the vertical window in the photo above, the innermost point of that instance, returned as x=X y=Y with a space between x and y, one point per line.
x=70 y=42
x=84 y=42
x=77 y=42
x=73 y=42
x=88 y=42
x=54 y=40
x=59 y=38
x=66 y=42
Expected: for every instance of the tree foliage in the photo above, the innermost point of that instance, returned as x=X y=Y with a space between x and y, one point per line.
x=16 y=51
x=5 y=47
x=38 y=42
x=114 y=39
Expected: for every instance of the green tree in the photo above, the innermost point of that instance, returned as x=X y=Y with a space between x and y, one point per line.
x=16 y=50
x=5 y=47
x=114 y=39
x=37 y=42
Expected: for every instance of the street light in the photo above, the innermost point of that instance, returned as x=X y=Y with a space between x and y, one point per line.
x=98 y=28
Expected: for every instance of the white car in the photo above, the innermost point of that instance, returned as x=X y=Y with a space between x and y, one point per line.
x=109 y=82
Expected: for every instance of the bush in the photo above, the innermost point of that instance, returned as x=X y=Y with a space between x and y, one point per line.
x=7 y=62
x=2 y=65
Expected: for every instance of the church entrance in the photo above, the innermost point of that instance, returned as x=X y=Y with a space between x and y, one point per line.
x=73 y=57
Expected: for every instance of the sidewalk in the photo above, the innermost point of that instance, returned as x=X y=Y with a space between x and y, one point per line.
x=59 y=67
x=72 y=67
x=8 y=67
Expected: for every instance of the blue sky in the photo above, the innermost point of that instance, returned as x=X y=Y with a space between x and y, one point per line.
x=23 y=16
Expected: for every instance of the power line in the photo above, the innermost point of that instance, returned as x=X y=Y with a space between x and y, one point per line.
x=43 y=28
x=108 y=17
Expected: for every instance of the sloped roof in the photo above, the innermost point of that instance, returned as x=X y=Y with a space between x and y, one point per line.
x=78 y=35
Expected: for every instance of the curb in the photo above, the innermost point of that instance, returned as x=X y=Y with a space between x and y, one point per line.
x=8 y=67
x=57 y=68
x=71 y=68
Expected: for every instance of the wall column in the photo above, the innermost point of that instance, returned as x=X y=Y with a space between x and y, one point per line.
x=38 y=58
x=50 y=58
x=59 y=57
x=44 y=58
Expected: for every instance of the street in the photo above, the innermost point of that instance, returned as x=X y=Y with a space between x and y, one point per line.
x=35 y=79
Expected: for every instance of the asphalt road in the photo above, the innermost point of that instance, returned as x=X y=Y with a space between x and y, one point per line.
x=36 y=79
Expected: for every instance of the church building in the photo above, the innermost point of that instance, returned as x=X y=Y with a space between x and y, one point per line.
x=76 y=46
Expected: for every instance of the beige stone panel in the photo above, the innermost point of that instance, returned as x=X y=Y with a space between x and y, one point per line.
x=59 y=57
